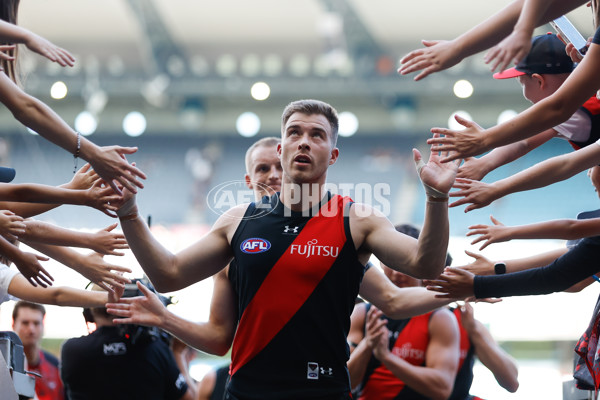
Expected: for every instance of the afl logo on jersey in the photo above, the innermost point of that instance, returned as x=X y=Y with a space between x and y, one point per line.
x=255 y=245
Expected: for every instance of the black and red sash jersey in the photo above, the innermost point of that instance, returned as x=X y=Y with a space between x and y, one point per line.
x=296 y=277
x=409 y=339
x=464 y=376
x=592 y=108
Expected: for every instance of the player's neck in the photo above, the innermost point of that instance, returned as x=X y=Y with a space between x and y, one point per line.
x=300 y=197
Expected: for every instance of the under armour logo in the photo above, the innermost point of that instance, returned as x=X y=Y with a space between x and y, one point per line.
x=326 y=371
x=291 y=230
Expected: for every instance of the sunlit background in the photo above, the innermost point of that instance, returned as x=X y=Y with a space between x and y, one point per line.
x=193 y=84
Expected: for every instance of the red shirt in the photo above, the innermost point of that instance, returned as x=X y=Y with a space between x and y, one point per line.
x=49 y=386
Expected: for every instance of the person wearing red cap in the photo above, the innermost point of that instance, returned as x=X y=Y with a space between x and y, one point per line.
x=540 y=74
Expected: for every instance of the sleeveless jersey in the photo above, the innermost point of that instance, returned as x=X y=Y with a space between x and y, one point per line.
x=296 y=278
x=592 y=108
x=464 y=377
x=409 y=339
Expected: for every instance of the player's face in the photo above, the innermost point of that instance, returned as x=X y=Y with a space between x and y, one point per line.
x=264 y=176
x=306 y=149
x=29 y=325
x=399 y=279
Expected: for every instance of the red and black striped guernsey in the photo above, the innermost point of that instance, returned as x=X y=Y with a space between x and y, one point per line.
x=296 y=277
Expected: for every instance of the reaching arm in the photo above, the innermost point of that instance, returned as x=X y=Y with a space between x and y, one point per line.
x=16 y=34
x=516 y=46
x=27 y=263
x=441 y=55
x=436 y=378
x=577 y=264
x=214 y=336
x=549 y=171
x=581 y=84
x=59 y=296
x=422 y=258
x=483 y=266
x=11 y=225
x=103 y=241
x=395 y=302
x=109 y=162
x=92 y=266
x=168 y=271
x=558 y=229
x=502 y=365
x=82 y=180
x=478 y=168
x=97 y=196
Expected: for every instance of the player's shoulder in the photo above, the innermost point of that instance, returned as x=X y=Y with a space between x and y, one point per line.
x=232 y=217
x=442 y=318
x=365 y=212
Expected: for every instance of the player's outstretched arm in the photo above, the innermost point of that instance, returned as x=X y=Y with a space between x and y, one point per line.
x=395 y=302
x=213 y=337
x=422 y=258
x=168 y=271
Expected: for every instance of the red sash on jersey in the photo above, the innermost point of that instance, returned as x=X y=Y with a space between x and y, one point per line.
x=289 y=284
x=465 y=342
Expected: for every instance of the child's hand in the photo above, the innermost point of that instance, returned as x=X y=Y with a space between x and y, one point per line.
x=490 y=233
x=106 y=242
x=83 y=179
x=11 y=225
x=103 y=198
x=29 y=265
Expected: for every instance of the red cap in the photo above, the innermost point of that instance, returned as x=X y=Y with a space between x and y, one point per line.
x=508 y=73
